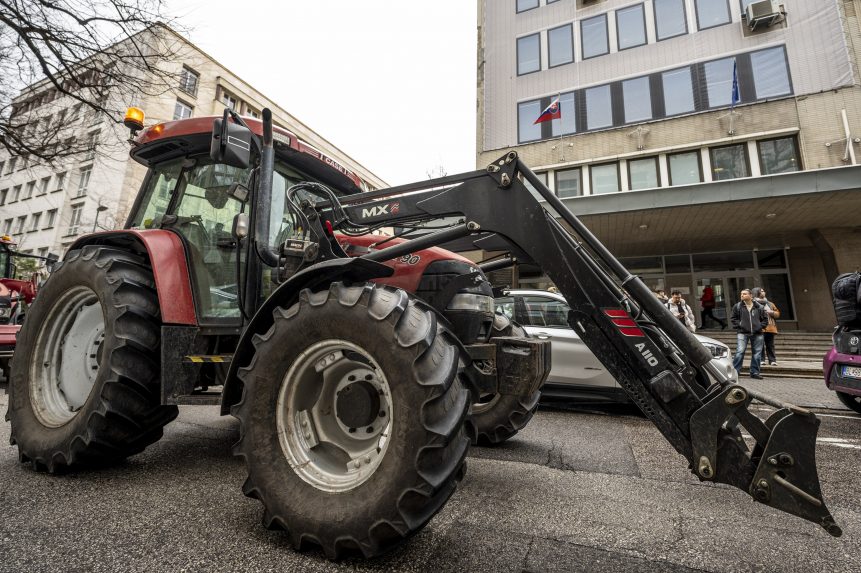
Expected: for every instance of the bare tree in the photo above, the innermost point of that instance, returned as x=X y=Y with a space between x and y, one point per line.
x=73 y=57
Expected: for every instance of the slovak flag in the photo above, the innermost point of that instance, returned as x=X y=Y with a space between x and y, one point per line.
x=552 y=111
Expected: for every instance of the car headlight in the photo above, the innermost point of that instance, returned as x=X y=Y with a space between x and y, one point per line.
x=717 y=350
x=474 y=302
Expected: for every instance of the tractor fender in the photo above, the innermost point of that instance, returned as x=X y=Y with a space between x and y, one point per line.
x=169 y=263
x=317 y=277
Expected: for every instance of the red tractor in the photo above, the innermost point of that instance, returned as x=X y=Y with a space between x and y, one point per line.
x=360 y=367
x=14 y=295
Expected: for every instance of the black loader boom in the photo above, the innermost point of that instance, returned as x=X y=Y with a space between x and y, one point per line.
x=661 y=366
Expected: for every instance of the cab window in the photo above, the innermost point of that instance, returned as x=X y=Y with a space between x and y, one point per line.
x=157 y=194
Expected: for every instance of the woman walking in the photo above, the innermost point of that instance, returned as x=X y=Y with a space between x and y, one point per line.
x=770 y=330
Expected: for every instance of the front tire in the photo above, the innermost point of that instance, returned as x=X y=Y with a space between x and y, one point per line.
x=84 y=387
x=496 y=418
x=351 y=419
x=852 y=402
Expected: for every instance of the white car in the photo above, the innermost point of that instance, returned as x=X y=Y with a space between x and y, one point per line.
x=576 y=373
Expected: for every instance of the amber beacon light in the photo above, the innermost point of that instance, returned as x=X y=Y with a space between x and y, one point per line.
x=134 y=119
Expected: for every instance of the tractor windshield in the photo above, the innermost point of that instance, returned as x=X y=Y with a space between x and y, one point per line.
x=194 y=192
x=5 y=259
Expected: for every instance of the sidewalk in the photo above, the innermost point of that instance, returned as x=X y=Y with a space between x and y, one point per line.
x=804 y=392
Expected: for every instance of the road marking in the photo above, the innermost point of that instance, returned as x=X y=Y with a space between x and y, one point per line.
x=839 y=442
x=837 y=416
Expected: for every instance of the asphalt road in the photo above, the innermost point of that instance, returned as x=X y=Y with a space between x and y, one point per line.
x=575 y=491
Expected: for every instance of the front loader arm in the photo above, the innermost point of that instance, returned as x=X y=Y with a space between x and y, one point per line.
x=656 y=360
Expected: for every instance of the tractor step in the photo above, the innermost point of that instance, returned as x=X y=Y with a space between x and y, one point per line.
x=208 y=359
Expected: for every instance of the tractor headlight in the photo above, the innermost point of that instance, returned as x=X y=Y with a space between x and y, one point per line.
x=473 y=302
x=5 y=312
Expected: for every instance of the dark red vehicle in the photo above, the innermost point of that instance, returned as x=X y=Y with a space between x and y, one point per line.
x=14 y=294
x=248 y=276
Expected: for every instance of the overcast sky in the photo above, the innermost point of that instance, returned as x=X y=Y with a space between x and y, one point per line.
x=390 y=82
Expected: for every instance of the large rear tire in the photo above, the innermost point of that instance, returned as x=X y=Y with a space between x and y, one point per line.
x=495 y=418
x=852 y=402
x=84 y=387
x=351 y=419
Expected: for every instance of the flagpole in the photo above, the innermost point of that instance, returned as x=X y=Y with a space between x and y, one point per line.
x=561 y=130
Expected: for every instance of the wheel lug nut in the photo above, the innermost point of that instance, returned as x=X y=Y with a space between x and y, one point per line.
x=352 y=430
x=382 y=414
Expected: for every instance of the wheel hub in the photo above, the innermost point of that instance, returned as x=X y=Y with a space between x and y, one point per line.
x=67 y=357
x=334 y=415
x=358 y=404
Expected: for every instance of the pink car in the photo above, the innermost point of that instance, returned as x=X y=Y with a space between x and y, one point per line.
x=842 y=366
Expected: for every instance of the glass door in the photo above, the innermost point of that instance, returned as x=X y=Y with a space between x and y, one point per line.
x=711 y=302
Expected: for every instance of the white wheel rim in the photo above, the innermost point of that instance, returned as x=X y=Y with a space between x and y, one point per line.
x=67 y=357
x=320 y=446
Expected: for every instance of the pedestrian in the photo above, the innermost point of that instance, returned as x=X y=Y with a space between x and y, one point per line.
x=759 y=295
x=681 y=310
x=708 y=303
x=749 y=319
x=662 y=296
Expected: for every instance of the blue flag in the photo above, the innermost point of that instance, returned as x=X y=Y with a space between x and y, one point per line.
x=736 y=96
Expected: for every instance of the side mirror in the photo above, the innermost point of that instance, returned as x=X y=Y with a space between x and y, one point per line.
x=231 y=143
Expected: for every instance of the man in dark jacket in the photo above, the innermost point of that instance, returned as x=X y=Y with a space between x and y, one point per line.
x=749 y=318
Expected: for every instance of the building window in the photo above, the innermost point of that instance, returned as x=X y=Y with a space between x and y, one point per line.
x=182 y=110
x=3 y=194
x=43 y=185
x=543 y=178
x=685 y=168
x=637 y=99
x=778 y=155
x=678 y=92
x=599 y=107
x=568 y=182
x=711 y=13
x=188 y=81
x=527 y=113
x=12 y=161
x=61 y=179
x=560 y=45
x=51 y=215
x=524 y=5
x=75 y=219
x=20 y=227
x=593 y=35
x=84 y=181
x=28 y=190
x=16 y=193
x=34 y=221
x=229 y=101
x=568 y=122
x=251 y=113
x=7 y=226
x=719 y=81
x=604 y=178
x=92 y=143
x=528 y=54
x=643 y=173
x=631 y=26
x=729 y=162
x=770 y=73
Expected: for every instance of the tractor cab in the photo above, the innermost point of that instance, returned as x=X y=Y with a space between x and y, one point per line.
x=206 y=201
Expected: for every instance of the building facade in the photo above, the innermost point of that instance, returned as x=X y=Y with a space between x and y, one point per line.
x=45 y=208
x=706 y=142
